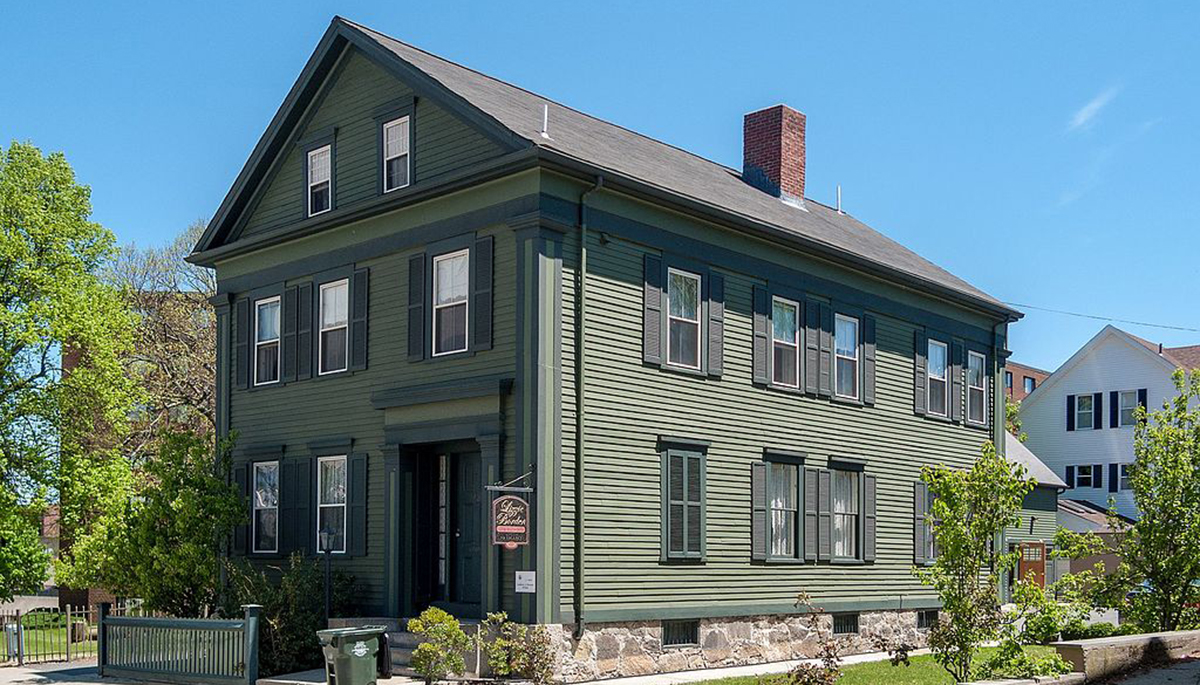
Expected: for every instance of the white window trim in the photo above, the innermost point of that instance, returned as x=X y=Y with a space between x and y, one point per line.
x=322 y=329
x=697 y=321
x=254 y=514
x=436 y=307
x=308 y=162
x=1091 y=397
x=1122 y=476
x=1121 y=408
x=836 y=356
x=407 y=162
x=795 y=343
x=1091 y=475
x=344 y=505
x=258 y=304
x=929 y=377
x=983 y=376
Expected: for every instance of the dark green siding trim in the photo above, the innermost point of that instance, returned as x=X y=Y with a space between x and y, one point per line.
x=460 y=389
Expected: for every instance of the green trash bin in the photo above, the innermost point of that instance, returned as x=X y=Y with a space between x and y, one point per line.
x=350 y=654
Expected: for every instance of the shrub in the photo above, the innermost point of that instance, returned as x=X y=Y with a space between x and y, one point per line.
x=445 y=643
x=517 y=649
x=1012 y=661
x=829 y=668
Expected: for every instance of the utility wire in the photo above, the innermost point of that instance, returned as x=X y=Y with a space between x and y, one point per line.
x=1103 y=318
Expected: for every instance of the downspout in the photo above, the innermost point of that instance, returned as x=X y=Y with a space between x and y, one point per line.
x=580 y=370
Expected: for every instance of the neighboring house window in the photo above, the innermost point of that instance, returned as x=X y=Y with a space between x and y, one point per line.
x=331 y=500
x=783 y=491
x=320 y=183
x=1008 y=380
x=785 y=326
x=395 y=154
x=1084 y=478
x=683 y=494
x=1129 y=402
x=266 y=341
x=976 y=388
x=683 y=319
x=451 y=287
x=1125 y=484
x=846 y=348
x=266 y=506
x=845 y=514
x=1030 y=384
x=1083 y=412
x=333 y=343
x=939 y=375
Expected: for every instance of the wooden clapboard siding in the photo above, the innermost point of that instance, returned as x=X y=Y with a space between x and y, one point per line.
x=1041 y=505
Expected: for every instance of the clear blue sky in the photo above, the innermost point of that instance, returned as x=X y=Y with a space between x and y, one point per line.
x=1046 y=152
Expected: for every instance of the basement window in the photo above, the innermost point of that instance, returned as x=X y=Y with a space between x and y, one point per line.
x=926 y=619
x=845 y=624
x=681 y=633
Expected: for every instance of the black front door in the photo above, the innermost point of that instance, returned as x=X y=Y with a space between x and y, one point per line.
x=449 y=535
x=467 y=531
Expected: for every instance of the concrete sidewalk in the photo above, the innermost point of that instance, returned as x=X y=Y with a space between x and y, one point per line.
x=54 y=673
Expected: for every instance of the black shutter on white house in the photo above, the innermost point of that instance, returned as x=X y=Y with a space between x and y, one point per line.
x=716 y=324
x=868 y=356
x=1098 y=476
x=288 y=338
x=652 y=299
x=870 y=520
x=357 y=505
x=359 y=298
x=758 y=511
x=481 y=297
x=920 y=502
x=416 y=307
x=1142 y=398
x=241 y=484
x=241 y=344
x=1114 y=477
x=920 y=371
x=1114 y=413
x=811 y=513
x=304 y=331
x=1071 y=414
x=1098 y=410
x=1070 y=477
x=762 y=336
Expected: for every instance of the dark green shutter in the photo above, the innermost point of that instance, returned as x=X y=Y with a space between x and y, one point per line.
x=824 y=515
x=716 y=325
x=416 y=307
x=241 y=483
x=762 y=336
x=288 y=338
x=676 y=504
x=652 y=314
x=825 y=382
x=956 y=381
x=358 y=319
x=1070 y=412
x=869 y=518
x=920 y=371
x=695 y=504
x=287 y=506
x=241 y=344
x=759 y=522
x=304 y=331
x=356 y=526
x=868 y=357
x=812 y=347
x=1114 y=410
x=920 y=501
x=305 y=494
x=1098 y=410
x=481 y=296
x=811 y=515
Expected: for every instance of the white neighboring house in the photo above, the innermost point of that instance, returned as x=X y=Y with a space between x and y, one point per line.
x=1079 y=420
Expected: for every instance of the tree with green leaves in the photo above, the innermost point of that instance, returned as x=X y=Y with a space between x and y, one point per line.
x=55 y=306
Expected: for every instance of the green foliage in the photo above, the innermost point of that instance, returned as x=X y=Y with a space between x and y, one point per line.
x=1011 y=660
x=827 y=668
x=1012 y=419
x=23 y=559
x=970 y=510
x=293 y=609
x=1078 y=630
x=445 y=643
x=517 y=649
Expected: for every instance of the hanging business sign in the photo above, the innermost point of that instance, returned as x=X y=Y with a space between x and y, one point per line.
x=510 y=521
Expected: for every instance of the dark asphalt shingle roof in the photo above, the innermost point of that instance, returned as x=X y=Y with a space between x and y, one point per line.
x=615 y=149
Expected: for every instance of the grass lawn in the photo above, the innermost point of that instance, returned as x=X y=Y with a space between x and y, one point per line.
x=923 y=671
x=41 y=643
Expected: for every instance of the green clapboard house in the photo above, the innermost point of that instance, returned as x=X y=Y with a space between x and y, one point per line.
x=711 y=392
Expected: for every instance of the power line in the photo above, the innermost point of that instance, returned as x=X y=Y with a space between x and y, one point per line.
x=1104 y=318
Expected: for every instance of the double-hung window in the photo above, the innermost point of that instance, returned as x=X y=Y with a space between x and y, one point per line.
x=1083 y=412
x=1084 y=478
x=266 y=341
x=451 y=288
x=683 y=319
x=266 y=506
x=976 y=388
x=333 y=342
x=1124 y=481
x=1008 y=381
x=939 y=378
x=1128 y=406
x=320 y=180
x=785 y=336
x=845 y=514
x=395 y=154
x=783 y=494
x=846 y=349
x=331 y=501
x=1030 y=384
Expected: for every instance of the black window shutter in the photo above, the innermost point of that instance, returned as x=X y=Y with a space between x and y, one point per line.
x=1070 y=413
x=1098 y=410
x=812 y=347
x=358 y=319
x=304 y=494
x=481 y=299
x=1114 y=412
x=825 y=383
x=920 y=383
x=956 y=381
x=241 y=483
x=304 y=331
x=1098 y=476
x=1142 y=398
x=652 y=321
x=758 y=511
x=869 y=518
x=288 y=334
x=1070 y=479
x=868 y=357
x=920 y=500
x=824 y=515
x=762 y=336
x=416 y=307
x=241 y=344
x=811 y=515
x=1114 y=477
x=716 y=324
x=357 y=505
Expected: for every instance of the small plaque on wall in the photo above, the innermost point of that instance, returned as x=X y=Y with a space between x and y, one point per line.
x=526 y=582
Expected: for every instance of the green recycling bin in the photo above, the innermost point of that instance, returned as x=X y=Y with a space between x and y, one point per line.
x=350 y=654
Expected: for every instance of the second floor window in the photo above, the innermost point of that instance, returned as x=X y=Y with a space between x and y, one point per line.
x=320 y=180
x=331 y=501
x=335 y=298
x=395 y=154
x=845 y=514
x=846 y=348
x=451 y=286
x=266 y=341
x=1129 y=403
x=976 y=388
x=683 y=319
x=1030 y=384
x=785 y=325
x=1083 y=412
x=266 y=507
x=939 y=386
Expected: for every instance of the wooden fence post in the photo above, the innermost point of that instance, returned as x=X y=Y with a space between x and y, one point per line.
x=101 y=638
x=250 y=631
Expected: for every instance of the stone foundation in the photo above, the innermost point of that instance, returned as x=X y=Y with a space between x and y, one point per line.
x=611 y=650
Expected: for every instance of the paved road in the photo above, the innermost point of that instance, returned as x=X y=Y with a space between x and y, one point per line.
x=51 y=674
x=1184 y=673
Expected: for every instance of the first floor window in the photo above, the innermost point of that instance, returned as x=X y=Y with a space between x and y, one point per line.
x=846 y=349
x=785 y=336
x=1129 y=403
x=1124 y=482
x=395 y=154
x=1083 y=412
x=683 y=318
x=783 y=489
x=331 y=501
x=335 y=303
x=845 y=514
x=684 y=493
x=1084 y=478
x=266 y=506
x=320 y=180
x=939 y=376
x=451 y=287
x=266 y=341
x=976 y=388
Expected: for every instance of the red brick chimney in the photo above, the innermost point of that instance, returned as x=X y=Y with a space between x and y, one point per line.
x=773 y=152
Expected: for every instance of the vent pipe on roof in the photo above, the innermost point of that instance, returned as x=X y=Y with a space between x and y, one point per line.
x=546 y=122
x=1160 y=348
x=839 y=199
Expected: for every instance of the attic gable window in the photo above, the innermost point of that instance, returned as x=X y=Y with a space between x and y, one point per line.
x=1083 y=412
x=396 y=154
x=320 y=180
